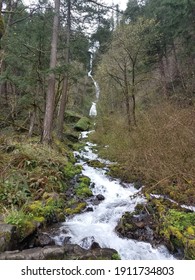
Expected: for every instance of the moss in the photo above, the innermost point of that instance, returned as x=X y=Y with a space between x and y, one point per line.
x=96 y=164
x=48 y=208
x=72 y=117
x=191 y=231
x=115 y=257
x=2 y=26
x=82 y=188
x=190 y=250
x=78 y=146
x=76 y=208
x=84 y=192
x=178 y=229
x=83 y=124
x=85 y=180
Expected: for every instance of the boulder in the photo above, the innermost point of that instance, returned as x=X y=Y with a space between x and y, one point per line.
x=139 y=227
x=43 y=240
x=66 y=252
x=83 y=124
x=7 y=237
x=100 y=197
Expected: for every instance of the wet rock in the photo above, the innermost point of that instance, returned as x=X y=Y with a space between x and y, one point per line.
x=66 y=252
x=139 y=227
x=95 y=245
x=138 y=184
x=100 y=197
x=67 y=240
x=96 y=201
x=89 y=209
x=87 y=241
x=8 y=237
x=43 y=240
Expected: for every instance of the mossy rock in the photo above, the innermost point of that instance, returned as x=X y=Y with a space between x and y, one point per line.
x=177 y=227
x=96 y=164
x=117 y=170
x=24 y=223
x=82 y=188
x=85 y=180
x=83 y=124
x=7 y=237
x=83 y=192
x=75 y=208
x=72 y=117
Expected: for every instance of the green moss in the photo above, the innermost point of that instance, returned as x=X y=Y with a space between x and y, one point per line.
x=96 y=164
x=190 y=250
x=178 y=229
x=83 y=192
x=47 y=208
x=115 y=257
x=85 y=180
x=82 y=189
x=76 y=208
x=83 y=124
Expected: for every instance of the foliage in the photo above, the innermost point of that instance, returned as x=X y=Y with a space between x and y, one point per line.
x=71 y=170
x=23 y=222
x=181 y=220
x=159 y=151
x=14 y=190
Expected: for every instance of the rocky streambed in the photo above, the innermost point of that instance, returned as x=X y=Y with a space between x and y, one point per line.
x=104 y=218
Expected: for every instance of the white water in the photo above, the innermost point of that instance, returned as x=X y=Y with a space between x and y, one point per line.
x=93 y=110
x=99 y=225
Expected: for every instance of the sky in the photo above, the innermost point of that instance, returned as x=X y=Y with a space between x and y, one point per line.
x=122 y=3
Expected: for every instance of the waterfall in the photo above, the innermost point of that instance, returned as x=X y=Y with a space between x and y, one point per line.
x=93 y=110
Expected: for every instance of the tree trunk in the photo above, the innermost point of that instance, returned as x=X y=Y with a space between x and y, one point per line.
x=126 y=93
x=133 y=94
x=63 y=99
x=50 y=98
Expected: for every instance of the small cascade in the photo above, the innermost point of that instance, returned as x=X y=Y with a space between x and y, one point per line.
x=99 y=224
x=93 y=110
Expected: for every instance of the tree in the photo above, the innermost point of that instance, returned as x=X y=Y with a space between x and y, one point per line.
x=50 y=99
x=63 y=99
x=126 y=61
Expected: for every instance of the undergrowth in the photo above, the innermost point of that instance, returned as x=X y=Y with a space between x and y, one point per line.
x=160 y=150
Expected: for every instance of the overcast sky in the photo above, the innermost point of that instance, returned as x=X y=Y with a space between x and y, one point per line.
x=122 y=3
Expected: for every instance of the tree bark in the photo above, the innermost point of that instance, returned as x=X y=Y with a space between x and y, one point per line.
x=63 y=99
x=50 y=98
x=127 y=103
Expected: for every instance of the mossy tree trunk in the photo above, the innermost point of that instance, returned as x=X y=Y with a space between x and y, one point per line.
x=50 y=98
x=63 y=99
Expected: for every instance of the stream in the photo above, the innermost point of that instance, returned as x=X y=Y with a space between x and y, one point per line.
x=99 y=225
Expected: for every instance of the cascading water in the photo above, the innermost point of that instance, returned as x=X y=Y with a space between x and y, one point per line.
x=99 y=225
x=93 y=110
